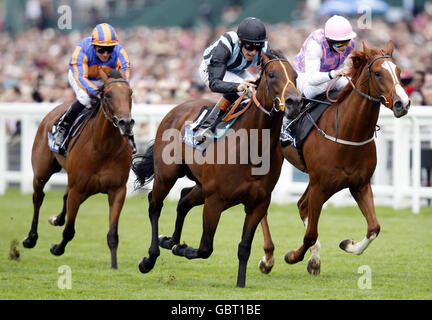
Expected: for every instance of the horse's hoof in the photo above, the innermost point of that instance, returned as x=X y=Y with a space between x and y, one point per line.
x=314 y=267
x=289 y=257
x=53 y=220
x=30 y=241
x=56 y=250
x=166 y=242
x=145 y=265
x=179 y=249
x=264 y=266
x=345 y=243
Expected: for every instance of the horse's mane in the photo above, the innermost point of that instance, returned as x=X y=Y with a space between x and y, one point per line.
x=358 y=60
x=113 y=73
x=275 y=54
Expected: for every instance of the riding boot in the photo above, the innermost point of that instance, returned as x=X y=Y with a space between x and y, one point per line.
x=64 y=125
x=132 y=143
x=206 y=127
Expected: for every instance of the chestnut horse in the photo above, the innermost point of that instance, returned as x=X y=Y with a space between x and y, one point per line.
x=99 y=162
x=220 y=184
x=348 y=162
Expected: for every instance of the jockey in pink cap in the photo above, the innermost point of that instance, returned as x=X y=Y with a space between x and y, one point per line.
x=322 y=57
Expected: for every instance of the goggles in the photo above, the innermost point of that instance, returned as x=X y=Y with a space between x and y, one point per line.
x=101 y=50
x=250 y=46
x=339 y=44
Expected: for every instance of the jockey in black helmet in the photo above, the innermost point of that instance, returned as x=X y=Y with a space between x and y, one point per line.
x=224 y=67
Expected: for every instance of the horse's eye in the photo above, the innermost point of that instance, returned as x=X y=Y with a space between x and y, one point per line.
x=377 y=74
x=108 y=95
x=271 y=74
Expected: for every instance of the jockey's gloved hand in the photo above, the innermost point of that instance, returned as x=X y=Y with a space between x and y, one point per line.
x=94 y=101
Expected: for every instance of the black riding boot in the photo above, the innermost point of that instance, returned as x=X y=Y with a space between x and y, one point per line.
x=206 y=126
x=64 y=125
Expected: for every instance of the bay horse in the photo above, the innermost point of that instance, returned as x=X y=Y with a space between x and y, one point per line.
x=221 y=184
x=99 y=162
x=349 y=162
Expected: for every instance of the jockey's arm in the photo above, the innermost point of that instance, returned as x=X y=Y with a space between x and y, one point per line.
x=78 y=66
x=313 y=57
x=124 y=63
x=216 y=71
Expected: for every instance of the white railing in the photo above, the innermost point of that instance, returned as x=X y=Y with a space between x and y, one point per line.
x=396 y=182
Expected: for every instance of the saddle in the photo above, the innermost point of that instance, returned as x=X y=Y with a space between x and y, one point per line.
x=221 y=127
x=294 y=132
x=79 y=123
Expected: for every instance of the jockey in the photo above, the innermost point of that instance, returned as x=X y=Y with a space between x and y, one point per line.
x=101 y=50
x=321 y=55
x=224 y=66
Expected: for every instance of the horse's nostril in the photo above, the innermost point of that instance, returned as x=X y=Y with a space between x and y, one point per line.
x=289 y=102
x=398 y=105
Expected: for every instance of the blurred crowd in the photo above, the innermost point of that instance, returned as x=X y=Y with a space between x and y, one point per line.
x=165 y=61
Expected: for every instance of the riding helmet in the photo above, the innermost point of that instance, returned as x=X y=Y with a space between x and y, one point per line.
x=104 y=35
x=251 y=30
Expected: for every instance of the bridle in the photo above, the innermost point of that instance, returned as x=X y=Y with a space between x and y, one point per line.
x=278 y=102
x=105 y=105
x=385 y=100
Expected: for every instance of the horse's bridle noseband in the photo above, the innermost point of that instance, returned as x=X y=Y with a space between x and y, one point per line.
x=278 y=102
x=105 y=104
x=385 y=100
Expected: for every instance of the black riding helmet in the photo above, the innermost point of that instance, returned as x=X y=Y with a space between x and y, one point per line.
x=251 y=30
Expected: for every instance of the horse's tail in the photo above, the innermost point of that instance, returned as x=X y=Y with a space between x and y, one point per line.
x=142 y=166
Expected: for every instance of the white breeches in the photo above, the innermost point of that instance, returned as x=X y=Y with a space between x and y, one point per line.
x=312 y=90
x=82 y=96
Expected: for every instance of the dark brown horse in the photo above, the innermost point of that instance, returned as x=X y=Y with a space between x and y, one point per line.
x=99 y=162
x=221 y=182
x=350 y=161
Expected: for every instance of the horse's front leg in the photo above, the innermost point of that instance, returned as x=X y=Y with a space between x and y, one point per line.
x=364 y=198
x=315 y=199
x=267 y=262
x=59 y=220
x=116 y=200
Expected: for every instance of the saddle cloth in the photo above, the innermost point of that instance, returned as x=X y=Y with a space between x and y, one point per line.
x=62 y=148
x=295 y=132
x=221 y=127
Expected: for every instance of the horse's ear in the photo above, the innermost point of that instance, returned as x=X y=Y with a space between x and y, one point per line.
x=264 y=58
x=390 y=48
x=365 y=48
x=122 y=73
x=103 y=75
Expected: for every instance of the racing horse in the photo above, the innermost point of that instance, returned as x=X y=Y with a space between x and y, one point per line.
x=98 y=162
x=342 y=153
x=220 y=184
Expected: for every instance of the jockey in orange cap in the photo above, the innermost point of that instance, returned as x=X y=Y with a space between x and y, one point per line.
x=101 y=50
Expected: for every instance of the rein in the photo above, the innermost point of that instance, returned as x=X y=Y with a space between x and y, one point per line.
x=278 y=103
x=385 y=100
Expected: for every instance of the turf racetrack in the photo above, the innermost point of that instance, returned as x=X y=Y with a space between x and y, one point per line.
x=399 y=260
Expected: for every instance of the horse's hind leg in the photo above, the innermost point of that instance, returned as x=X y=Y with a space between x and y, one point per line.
x=45 y=167
x=116 y=200
x=74 y=200
x=267 y=262
x=160 y=190
x=364 y=198
x=190 y=198
x=59 y=220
